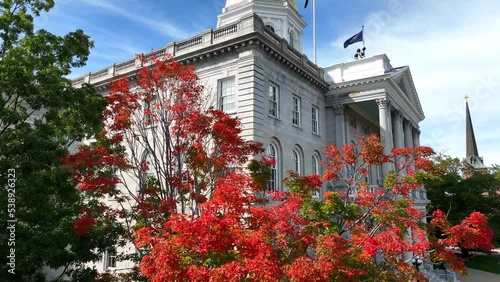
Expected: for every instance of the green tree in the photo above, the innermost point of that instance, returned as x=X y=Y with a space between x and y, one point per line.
x=42 y=117
x=459 y=196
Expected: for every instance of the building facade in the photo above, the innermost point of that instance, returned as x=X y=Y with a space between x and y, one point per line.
x=254 y=68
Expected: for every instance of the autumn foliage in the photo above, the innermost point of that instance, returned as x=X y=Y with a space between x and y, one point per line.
x=161 y=152
x=173 y=166
x=357 y=233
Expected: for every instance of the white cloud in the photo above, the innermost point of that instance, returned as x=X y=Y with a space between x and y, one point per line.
x=450 y=47
x=164 y=27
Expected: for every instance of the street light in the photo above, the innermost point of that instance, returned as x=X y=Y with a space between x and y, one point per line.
x=360 y=54
x=417 y=262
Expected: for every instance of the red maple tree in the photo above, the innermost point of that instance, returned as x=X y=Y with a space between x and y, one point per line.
x=357 y=233
x=172 y=167
x=161 y=152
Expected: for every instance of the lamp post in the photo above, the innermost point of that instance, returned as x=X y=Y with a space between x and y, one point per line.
x=417 y=262
x=360 y=53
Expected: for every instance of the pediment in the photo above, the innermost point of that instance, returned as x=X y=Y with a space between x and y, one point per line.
x=403 y=79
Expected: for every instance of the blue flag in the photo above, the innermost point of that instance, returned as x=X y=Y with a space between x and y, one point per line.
x=355 y=38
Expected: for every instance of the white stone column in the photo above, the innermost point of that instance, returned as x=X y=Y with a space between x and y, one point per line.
x=416 y=137
x=408 y=237
x=339 y=112
x=408 y=129
x=398 y=130
x=408 y=140
x=398 y=137
x=385 y=138
x=390 y=124
x=422 y=192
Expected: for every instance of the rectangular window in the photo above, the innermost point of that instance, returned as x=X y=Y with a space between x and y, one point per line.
x=227 y=95
x=315 y=120
x=296 y=161
x=296 y=111
x=110 y=258
x=315 y=170
x=273 y=100
x=272 y=183
x=148 y=120
x=352 y=122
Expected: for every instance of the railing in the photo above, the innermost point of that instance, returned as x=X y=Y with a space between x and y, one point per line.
x=224 y=31
x=188 y=43
x=312 y=66
x=272 y=36
x=295 y=54
x=124 y=65
x=249 y=24
x=79 y=81
x=440 y=275
x=99 y=73
x=157 y=53
x=272 y=2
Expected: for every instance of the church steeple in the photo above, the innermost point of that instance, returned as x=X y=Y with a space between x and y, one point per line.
x=472 y=155
x=281 y=16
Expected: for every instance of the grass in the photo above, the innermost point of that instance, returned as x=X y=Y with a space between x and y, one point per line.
x=484 y=263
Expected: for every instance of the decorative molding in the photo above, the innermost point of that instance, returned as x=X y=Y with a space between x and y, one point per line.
x=249 y=32
x=398 y=116
x=382 y=103
x=339 y=110
x=407 y=125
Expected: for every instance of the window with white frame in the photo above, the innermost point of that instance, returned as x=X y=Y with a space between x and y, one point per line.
x=110 y=258
x=315 y=170
x=296 y=111
x=147 y=171
x=352 y=122
x=296 y=161
x=315 y=119
x=273 y=182
x=273 y=100
x=315 y=164
x=227 y=95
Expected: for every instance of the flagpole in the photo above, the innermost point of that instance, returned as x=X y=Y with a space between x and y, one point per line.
x=363 y=33
x=314 y=30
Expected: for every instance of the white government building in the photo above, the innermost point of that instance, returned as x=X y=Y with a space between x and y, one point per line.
x=254 y=64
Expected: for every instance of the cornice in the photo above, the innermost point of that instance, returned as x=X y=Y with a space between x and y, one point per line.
x=403 y=103
x=371 y=88
x=274 y=46
x=367 y=80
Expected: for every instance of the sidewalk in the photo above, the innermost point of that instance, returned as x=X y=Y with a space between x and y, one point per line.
x=478 y=275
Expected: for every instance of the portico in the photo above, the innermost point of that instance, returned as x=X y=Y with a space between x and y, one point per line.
x=369 y=96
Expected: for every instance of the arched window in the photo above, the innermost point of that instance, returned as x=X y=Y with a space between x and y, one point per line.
x=270 y=27
x=315 y=169
x=315 y=164
x=291 y=40
x=273 y=182
x=296 y=161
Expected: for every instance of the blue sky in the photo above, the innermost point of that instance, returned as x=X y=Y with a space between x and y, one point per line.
x=450 y=46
